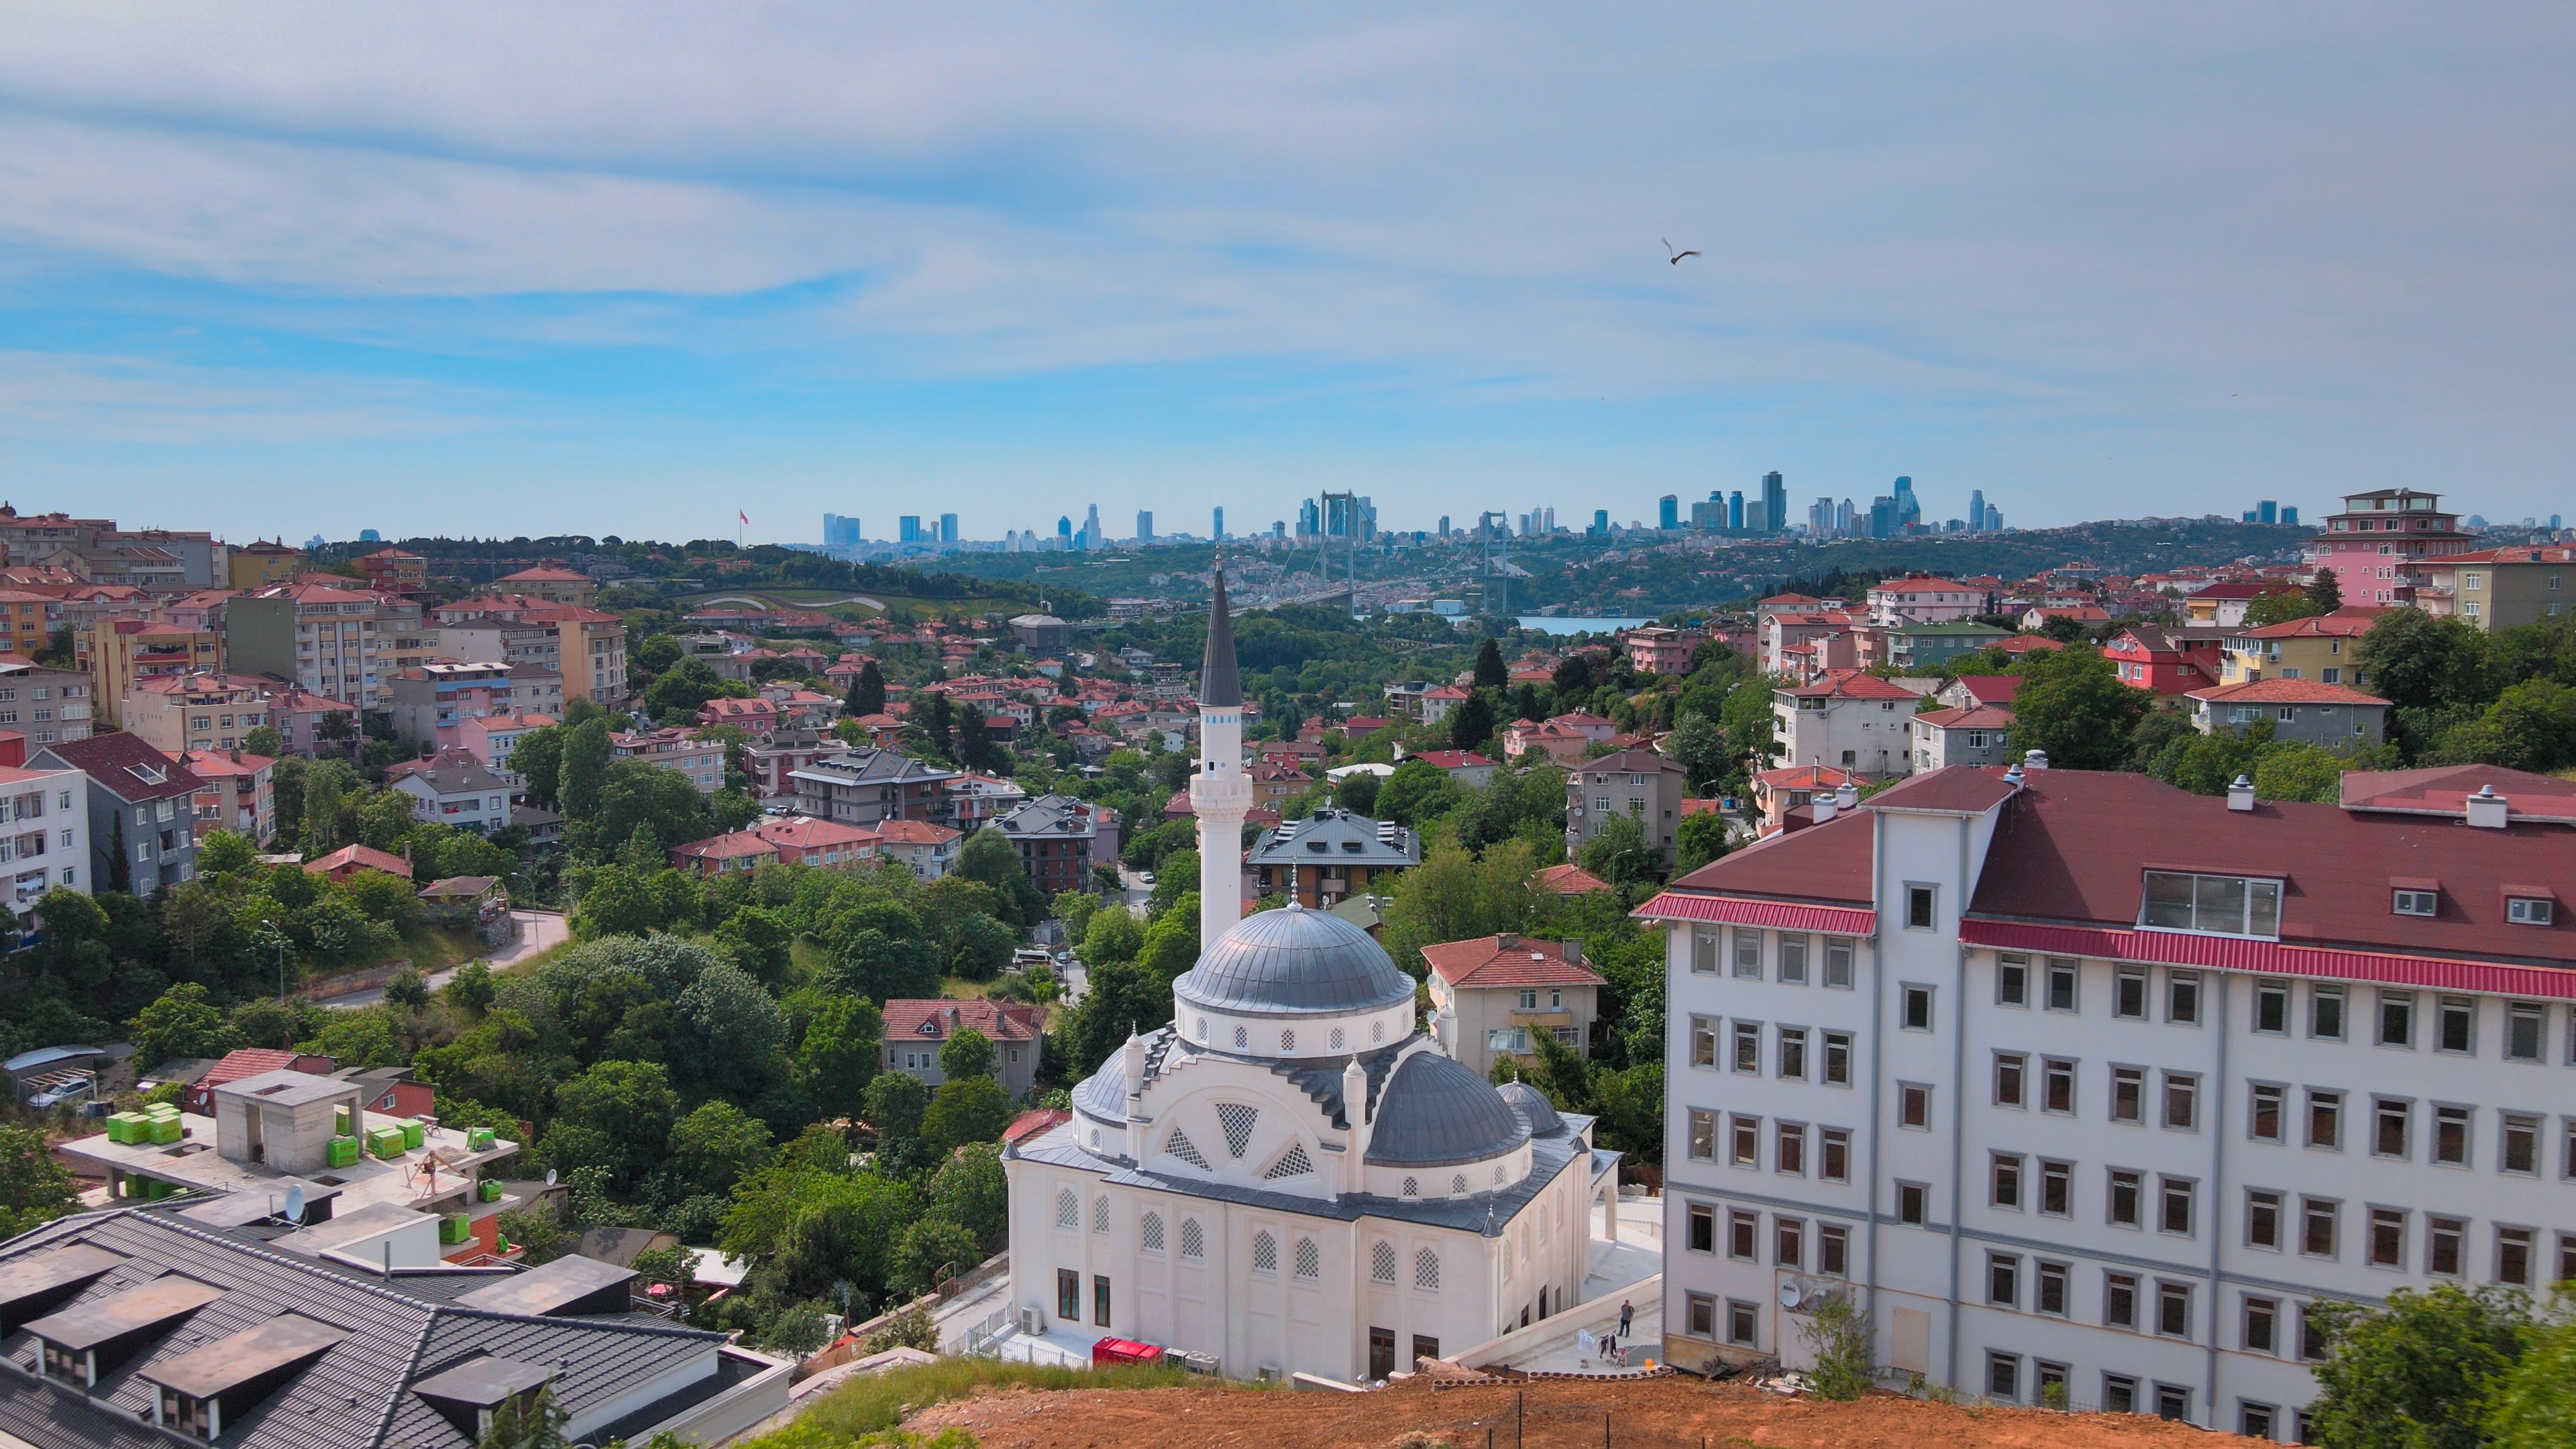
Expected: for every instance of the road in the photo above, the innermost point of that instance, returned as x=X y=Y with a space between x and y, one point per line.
x=539 y=931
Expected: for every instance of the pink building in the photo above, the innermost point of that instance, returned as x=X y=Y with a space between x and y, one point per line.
x=238 y=794
x=2369 y=543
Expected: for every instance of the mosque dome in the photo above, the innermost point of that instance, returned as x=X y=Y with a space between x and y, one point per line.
x=1435 y=1112
x=1533 y=1106
x=1293 y=962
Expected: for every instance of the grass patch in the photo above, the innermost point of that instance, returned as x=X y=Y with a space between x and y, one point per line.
x=879 y=1402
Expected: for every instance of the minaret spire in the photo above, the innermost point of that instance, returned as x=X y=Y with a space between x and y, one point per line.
x=1220 y=793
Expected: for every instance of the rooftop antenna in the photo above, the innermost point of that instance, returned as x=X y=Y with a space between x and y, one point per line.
x=295 y=1203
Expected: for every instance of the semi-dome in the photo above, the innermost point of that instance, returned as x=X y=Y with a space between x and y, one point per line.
x=1534 y=1107
x=1436 y=1111
x=1294 y=962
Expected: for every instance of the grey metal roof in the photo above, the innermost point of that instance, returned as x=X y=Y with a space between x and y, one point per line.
x=1218 y=684
x=1338 y=837
x=1435 y=1112
x=1534 y=1107
x=1294 y=962
x=357 y=1392
x=1061 y=816
x=1549 y=1157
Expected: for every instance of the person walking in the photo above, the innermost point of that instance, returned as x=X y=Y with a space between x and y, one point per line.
x=1627 y=1315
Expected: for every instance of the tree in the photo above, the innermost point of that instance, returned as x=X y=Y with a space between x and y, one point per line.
x=227 y=852
x=2533 y=1406
x=1455 y=896
x=470 y=989
x=1358 y=792
x=1471 y=724
x=1840 y=1336
x=182 y=1023
x=2325 y=591
x=838 y=1057
x=2279 y=607
x=2294 y=771
x=1113 y=937
x=322 y=808
x=586 y=756
x=2417 y=1373
x=895 y=1102
x=1490 y=673
x=538 y=759
x=1699 y=747
x=727 y=1031
x=2417 y=661
x=264 y=740
x=966 y=1053
x=930 y=1247
x=1700 y=839
x=971 y=1191
x=2072 y=705
x=1620 y=853
x=716 y=1145
x=628 y=1106
x=991 y=857
x=407 y=988
x=634 y=795
x=965 y=1109
x=536 y=1423
x=867 y=692
x=1418 y=791
x=34 y=1188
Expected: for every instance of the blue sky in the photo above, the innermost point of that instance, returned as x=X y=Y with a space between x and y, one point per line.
x=525 y=269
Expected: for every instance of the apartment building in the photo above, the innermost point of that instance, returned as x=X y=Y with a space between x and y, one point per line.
x=2307 y=710
x=325 y=638
x=493 y=738
x=197 y=711
x=1847 y=719
x=866 y=787
x=1490 y=996
x=48 y=706
x=2378 y=540
x=454 y=788
x=1057 y=840
x=2322 y=648
x=261 y=562
x=27 y=621
x=44 y=842
x=2081 y=1085
x=1638 y=784
x=1920 y=599
x=2494 y=588
x=551 y=583
x=430 y=700
x=699 y=759
x=125 y=652
x=239 y=793
x=140 y=803
x=1946 y=737
x=586 y=645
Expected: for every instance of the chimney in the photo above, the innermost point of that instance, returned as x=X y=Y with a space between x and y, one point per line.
x=1574 y=953
x=1824 y=807
x=1506 y=941
x=2487 y=809
x=1847 y=796
x=2034 y=760
x=2240 y=794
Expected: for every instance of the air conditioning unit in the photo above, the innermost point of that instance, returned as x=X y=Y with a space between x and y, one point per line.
x=1032 y=1320
x=1267 y=1374
x=1197 y=1363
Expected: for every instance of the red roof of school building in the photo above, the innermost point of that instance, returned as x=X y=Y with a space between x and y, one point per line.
x=2445 y=790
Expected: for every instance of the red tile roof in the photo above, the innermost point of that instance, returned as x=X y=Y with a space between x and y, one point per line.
x=913 y=832
x=1036 y=1122
x=2285 y=691
x=1990 y=688
x=364 y=857
x=2445 y=789
x=1983 y=717
x=1570 y=879
x=1807 y=777
x=2341 y=624
x=1454 y=759
x=1851 y=684
x=935 y=1019
x=1953 y=788
x=1828 y=864
x=1508 y=961
x=2072 y=848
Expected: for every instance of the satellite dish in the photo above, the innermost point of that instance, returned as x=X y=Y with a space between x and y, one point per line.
x=550 y=1177
x=1790 y=1297
x=295 y=1203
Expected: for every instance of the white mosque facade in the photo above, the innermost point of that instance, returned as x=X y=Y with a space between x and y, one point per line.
x=1290 y=1176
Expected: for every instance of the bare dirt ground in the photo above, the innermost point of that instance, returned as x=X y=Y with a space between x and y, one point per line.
x=1674 y=1413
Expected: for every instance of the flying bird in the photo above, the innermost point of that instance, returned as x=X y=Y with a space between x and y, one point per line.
x=1677 y=256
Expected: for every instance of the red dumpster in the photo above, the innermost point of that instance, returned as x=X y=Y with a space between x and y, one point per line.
x=1109 y=1351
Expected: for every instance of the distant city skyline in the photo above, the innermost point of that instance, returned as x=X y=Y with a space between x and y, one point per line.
x=641 y=275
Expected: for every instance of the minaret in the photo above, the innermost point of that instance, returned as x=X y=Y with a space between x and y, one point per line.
x=1220 y=792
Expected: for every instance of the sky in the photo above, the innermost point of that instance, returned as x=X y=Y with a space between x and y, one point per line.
x=635 y=268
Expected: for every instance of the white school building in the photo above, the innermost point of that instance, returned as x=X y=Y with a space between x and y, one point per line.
x=2084 y=1086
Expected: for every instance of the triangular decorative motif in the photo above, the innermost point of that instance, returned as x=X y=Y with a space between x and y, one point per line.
x=1237 y=1119
x=1292 y=1163
x=1180 y=1146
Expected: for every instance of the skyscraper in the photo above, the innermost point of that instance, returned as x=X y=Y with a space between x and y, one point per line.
x=1820 y=518
x=1216 y=530
x=1909 y=513
x=907 y=528
x=1735 y=511
x=1064 y=532
x=1444 y=525
x=1775 y=505
x=1310 y=519
x=840 y=532
x=1668 y=511
x=2270 y=511
x=948 y=528
x=1091 y=527
x=1882 y=516
x=1144 y=525
x=1600 y=524
x=1976 y=510
x=1846 y=519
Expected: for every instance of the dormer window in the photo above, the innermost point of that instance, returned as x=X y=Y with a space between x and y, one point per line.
x=2529 y=911
x=2224 y=905
x=2417 y=903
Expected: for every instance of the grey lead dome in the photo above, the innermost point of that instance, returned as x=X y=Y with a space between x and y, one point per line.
x=1294 y=963
x=1435 y=1112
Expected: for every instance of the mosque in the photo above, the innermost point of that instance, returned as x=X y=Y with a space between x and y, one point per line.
x=1291 y=1176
